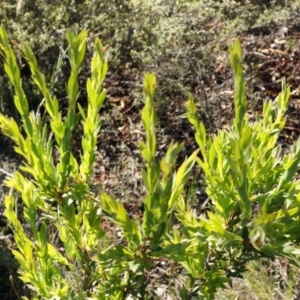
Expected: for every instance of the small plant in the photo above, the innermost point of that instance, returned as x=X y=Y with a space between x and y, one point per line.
x=58 y=206
x=251 y=184
x=64 y=253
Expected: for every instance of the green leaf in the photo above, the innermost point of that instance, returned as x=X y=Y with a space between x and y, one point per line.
x=120 y=217
x=150 y=85
x=145 y=152
x=181 y=177
x=55 y=255
x=240 y=102
x=20 y=258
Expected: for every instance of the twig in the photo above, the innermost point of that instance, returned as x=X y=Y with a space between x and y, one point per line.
x=14 y=288
x=6 y=173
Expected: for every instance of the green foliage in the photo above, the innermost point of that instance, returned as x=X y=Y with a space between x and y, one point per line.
x=255 y=197
x=56 y=195
x=63 y=252
x=150 y=242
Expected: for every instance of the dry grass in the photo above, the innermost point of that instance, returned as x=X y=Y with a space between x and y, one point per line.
x=265 y=281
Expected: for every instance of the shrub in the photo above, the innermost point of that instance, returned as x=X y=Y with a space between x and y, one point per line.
x=65 y=253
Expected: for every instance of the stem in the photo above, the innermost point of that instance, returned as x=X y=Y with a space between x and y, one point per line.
x=14 y=288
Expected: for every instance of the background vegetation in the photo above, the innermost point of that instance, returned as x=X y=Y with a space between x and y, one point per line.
x=185 y=44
